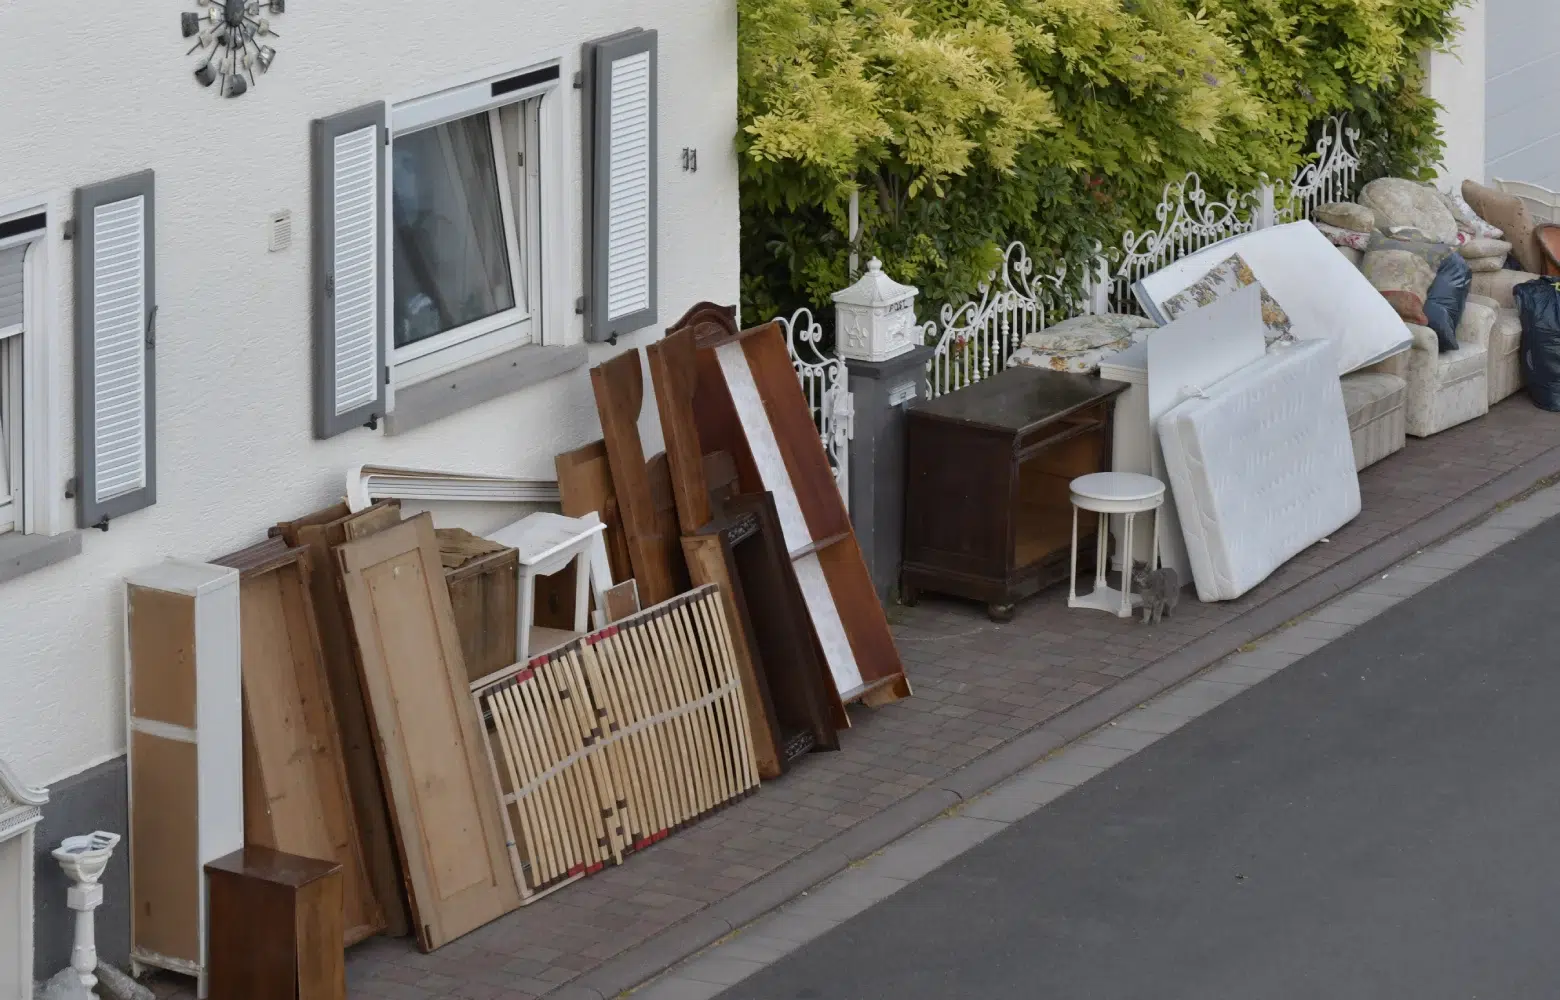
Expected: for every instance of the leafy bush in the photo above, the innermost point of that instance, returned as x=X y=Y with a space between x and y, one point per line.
x=969 y=123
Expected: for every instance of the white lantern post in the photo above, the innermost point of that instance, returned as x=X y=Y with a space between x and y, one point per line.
x=875 y=318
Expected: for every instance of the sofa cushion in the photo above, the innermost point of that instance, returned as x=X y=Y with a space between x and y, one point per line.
x=1369 y=396
x=1227 y=276
x=1480 y=246
x=1508 y=213
x=1467 y=219
x=1403 y=278
x=1345 y=215
x=1400 y=202
x=1080 y=343
x=1343 y=237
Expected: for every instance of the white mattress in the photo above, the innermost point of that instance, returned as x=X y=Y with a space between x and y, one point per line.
x=1261 y=467
x=1326 y=297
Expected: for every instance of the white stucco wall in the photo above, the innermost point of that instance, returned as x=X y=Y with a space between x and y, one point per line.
x=1523 y=125
x=1457 y=80
x=86 y=97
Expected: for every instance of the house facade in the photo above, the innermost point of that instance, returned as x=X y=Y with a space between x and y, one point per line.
x=246 y=246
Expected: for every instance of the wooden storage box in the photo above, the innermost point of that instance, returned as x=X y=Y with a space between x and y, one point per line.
x=276 y=927
x=988 y=509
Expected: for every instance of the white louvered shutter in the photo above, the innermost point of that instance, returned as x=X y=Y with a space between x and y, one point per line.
x=11 y=288
x=621 y=184
x=349 y=154
x=115 y=337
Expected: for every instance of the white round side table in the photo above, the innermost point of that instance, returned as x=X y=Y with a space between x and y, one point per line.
x=1107 y=493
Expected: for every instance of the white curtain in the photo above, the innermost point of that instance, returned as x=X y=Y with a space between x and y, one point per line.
x=451 y=252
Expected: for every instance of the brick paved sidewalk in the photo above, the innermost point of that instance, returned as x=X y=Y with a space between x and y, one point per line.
x=977 y=686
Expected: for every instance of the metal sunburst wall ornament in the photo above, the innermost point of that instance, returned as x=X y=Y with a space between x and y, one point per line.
x=235 y=40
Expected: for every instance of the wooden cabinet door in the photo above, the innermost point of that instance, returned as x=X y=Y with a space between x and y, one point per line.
x=441 y=790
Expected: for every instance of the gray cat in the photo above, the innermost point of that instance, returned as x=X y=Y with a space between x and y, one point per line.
x=1160 y=590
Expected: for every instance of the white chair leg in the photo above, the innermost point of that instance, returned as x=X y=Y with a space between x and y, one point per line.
x=600 y=578
x=582 y=580
x=525 y=612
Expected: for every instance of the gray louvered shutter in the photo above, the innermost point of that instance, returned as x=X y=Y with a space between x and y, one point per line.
x=620 y=184
x=349 y=278
x=116 y=309
x=11 y=286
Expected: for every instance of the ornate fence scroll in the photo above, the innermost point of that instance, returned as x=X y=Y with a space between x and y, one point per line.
x=975 y=340
x=1188 y=221
x=826 y=388
x=1330 y=177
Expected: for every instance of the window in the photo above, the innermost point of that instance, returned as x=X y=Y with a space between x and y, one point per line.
x=465 y=240
x=17 y=306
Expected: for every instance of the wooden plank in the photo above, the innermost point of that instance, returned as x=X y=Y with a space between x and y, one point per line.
x=333 y=620
x=710 y=561
x=674 y=370
x=799 y=683
x=786 y=409
x=445 y=807
x=296 y=797
x=619 y=389
x=585 y=485
x=622 y=600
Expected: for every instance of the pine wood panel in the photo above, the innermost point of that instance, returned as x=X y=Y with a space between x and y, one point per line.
x=585 y=486
x=710 y=562
x=318 y=534
x=619 y=389
x=445 y=807
x=675 y=374
x=296 y=797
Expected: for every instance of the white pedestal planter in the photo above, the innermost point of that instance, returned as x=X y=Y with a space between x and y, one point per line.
x=19 y=813
x=83 y=860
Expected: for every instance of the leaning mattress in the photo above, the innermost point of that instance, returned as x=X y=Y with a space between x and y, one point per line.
x=1261 y=466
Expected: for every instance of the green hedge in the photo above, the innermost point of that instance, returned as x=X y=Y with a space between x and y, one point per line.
x=968 y=123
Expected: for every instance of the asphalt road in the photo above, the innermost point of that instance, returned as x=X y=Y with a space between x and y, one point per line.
x=1381 y=820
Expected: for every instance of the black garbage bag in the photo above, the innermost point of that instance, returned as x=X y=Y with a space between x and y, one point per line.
x=1539 y=303
x=1445 y=301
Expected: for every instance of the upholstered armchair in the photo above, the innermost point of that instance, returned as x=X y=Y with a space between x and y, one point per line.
x=1446 y=388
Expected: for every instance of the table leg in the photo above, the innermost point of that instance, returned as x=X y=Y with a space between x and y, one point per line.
x=1101 y=548
x=1126 y=565
x=1153 y=556
x=1072 y=576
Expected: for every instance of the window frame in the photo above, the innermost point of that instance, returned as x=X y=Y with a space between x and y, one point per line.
x=34 y=445
x=531 y=231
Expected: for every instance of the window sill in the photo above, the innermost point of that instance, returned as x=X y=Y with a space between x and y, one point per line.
x=439 y=397
x=22 y=554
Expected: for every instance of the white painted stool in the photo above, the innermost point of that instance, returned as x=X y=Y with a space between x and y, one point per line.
x=1107 y=493
x=547 y=543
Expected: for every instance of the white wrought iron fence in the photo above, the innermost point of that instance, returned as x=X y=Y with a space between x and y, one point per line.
x=826 y=387
x=974 y=340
